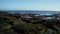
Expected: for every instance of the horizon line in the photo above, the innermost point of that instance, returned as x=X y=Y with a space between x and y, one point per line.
x=28 y=10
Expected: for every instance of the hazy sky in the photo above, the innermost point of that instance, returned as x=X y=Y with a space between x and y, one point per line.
x=52 y=5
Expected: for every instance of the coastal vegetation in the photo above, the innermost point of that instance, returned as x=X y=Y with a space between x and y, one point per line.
x=15 y=24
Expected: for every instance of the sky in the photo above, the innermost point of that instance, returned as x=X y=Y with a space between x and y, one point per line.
x=49 y=5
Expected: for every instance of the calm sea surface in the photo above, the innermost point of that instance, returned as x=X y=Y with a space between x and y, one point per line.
x=36 y=12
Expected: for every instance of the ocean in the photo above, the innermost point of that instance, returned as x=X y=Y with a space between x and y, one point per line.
x=34 y=12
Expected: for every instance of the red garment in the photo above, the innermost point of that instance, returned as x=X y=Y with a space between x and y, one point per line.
x=29 y=19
